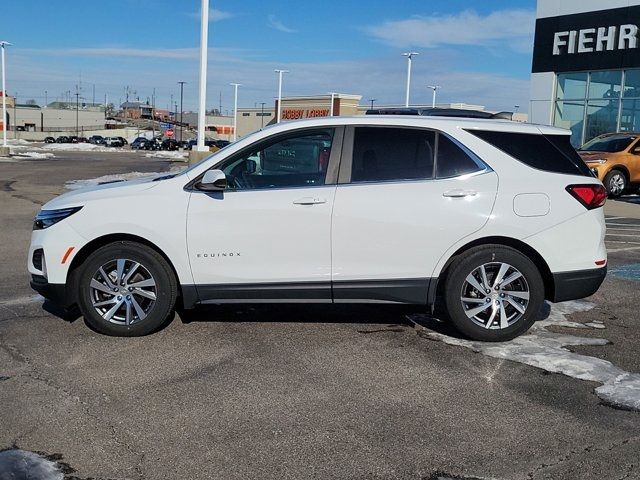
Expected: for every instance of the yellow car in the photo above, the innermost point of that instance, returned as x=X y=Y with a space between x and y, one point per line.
x=615 y=159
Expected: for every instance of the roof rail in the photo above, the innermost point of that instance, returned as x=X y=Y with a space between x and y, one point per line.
x=441 y=112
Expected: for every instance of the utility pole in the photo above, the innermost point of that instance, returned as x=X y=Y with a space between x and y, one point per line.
x=77 y=105
x=262 y=115
x=280 y=72
x=181 y=97
x=4 y=44
x=235 y=109
x=409 y=56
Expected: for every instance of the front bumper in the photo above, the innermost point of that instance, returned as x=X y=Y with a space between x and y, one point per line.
x=56 y=293
x=577 y=284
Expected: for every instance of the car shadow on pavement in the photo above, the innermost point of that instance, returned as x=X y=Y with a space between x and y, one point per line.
x=301 y=313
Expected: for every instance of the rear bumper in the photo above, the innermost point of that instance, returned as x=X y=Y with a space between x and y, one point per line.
x=577 y=284
x=56 y=293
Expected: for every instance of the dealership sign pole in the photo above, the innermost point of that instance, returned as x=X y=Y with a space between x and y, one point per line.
x=3 y=44
x=204 y=41
x=235 y=109
x=409 y=56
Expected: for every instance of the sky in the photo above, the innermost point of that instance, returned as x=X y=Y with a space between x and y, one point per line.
x=478 y=51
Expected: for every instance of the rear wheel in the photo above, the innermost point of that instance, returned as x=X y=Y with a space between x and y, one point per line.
x=493 y=293
x=615 y=182
x=126 y=289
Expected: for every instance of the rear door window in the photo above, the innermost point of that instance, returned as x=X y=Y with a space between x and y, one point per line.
x=453 y=161
x=382 y=154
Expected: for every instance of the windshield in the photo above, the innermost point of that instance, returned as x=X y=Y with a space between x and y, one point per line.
x=607 y=144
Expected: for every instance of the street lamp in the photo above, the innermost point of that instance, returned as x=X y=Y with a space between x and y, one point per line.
x=280 y=72
x=4 y=44
x=433 y=98
x=202 y=98
x=261 y=115
x=409 y=56
x=235 y=109
x=181 y=97
x=372 y=100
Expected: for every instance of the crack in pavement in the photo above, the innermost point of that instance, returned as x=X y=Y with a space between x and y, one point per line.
x=34 y=374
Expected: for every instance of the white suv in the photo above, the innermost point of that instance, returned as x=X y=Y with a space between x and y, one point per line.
x=491 y=217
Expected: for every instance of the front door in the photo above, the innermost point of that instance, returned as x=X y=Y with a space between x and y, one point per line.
x=267 y=237
x=398 y=210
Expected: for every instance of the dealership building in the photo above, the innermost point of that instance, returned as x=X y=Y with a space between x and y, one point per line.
x=586 y=67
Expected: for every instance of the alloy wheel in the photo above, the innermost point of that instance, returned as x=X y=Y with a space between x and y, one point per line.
x=123 y=291
x=616 y=184
x=495 y=295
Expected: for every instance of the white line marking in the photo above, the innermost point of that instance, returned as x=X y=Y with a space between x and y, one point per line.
x=622 y=241
x=622 y=224
x=620 y=235
x=614 y=250
x=614 y=218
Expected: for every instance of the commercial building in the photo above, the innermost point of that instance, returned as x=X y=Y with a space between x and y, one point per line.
x=586 y=67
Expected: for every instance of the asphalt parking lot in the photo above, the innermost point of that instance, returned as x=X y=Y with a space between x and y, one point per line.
x=277 y=392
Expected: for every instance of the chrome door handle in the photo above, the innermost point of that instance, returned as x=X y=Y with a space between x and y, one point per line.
x=459 y=193
x=309 y=201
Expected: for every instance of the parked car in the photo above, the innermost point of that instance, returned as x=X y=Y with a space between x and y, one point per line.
x=138 y=143
x=73 y=139
x=63 y=139
x=113 y=142
x=49 y=140
x=123 y=140
x=83 y=140
x=169 y=144
x=96 y=139
x=488 y=218
x=615 y=159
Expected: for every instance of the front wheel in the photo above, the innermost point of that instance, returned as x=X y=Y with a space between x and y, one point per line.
x=615 y=182
x=126 y=289
x=493 y=293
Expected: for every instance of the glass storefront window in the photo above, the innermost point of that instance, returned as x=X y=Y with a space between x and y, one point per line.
x=605 y=84
x=632 y=84
x=572 y=86
x=602 y=117
x=630 y=115
x=570 y=115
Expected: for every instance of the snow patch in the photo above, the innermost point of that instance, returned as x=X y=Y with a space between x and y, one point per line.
x=15 y=463
x=35 y=155
x=546 y=350
x=77 y=147
x=174 y=155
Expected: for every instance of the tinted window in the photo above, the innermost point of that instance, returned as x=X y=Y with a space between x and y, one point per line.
x=607 y=144
x=453 y=161
x=552 y=153
x=386 y=154
x=296 y=161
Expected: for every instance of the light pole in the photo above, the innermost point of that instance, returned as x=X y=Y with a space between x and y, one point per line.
x=202 y=95
x=181 y=96
x=235 y=109
x=261 y=115
x=409 y=56
x=372 y=100
x=280 y=72
x=434 y=88
x=77 y=105
x=45 y=99
x=4 y=44
x=333 y=95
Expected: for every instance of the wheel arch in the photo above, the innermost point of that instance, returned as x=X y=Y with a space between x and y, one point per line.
x=98 y=242
x=436 y=285
x=622 y=168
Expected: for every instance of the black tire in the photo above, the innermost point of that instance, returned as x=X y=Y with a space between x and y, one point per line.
x=467 y=263
x=158 y=314
x=615 y=182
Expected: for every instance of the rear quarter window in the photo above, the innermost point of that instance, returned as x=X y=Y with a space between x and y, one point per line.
x=551 y=153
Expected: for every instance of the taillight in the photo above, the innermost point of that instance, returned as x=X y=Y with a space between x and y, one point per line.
x=591 y=195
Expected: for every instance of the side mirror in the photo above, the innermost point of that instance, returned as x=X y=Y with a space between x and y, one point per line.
x=213 y=181
x=635 y=151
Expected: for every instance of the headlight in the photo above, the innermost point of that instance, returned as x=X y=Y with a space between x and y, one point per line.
x=46 y=218
x=599 y=161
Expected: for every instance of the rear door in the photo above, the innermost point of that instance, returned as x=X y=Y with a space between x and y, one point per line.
x=404 y=196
